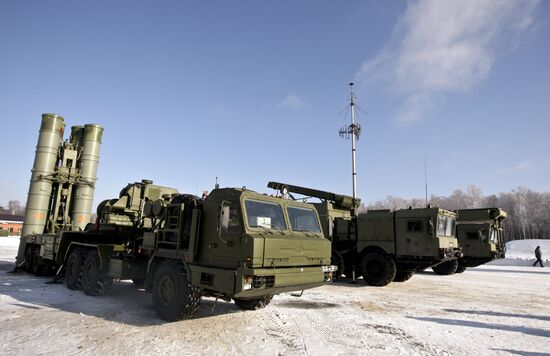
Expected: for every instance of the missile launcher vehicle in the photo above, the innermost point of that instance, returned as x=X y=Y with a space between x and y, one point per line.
x=382 y=245
x=480 y=234
x=233 y=244
x=61 y=189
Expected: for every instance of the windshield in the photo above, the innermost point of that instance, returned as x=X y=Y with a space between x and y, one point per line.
x=264 y=214
x=445 y=225
x=450 y=230
x=303 y=219
x=441 y=225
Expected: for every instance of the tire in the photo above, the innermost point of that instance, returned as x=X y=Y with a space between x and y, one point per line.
x=337 y=260
x=94 y=281
x=173 y=297
x=253 y=304
x=460 y=268
x=403 y=275
x=377 y=269
x=73 y=270
x=446 y=268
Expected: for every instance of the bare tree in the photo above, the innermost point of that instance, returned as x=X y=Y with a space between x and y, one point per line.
x=14 y=207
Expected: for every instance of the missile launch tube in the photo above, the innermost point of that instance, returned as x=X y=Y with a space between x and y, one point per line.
x=40 y=188
x=83 y=198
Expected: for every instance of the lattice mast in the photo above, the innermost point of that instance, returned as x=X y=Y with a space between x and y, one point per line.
x=352 y=131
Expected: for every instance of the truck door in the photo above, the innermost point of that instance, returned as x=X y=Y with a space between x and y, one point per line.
x=225 y=253
x=411 y=235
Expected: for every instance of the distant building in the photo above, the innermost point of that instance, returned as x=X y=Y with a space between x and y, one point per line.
x=10 y=224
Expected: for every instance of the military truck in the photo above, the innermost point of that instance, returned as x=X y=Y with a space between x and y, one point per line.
x=233 y=244
x=480 y=234
x=382 y=245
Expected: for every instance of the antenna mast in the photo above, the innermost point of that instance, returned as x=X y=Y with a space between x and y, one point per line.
x=353 y=131
x=426 y=181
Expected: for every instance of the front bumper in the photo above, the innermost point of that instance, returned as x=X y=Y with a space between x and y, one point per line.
x=451 y=253
x=256 y=282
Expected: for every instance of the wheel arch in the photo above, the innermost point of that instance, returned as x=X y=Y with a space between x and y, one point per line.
x=155 y=261
x=376 y=249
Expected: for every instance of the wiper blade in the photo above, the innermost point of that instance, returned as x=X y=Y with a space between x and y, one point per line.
x=265 y=228
x=278 y=229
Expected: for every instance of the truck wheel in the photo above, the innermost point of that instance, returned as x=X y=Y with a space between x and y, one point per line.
x=460 y=268
x=377 y=269
x=446 y=268
x=94 y=281
x=403 y=275
x=73 y=270
x=337 y=260
x=253 y=304
x=173 y=296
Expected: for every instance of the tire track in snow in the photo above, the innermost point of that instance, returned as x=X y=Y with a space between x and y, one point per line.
x=278 y=324
x=405 y=339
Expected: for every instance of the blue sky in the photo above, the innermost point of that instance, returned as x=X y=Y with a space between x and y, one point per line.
x=253 y=91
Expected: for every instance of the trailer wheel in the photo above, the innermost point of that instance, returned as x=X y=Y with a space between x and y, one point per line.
x=461 y=268
x=403 y=275
x=94 y=281
x=73 y=270
x=337 y=260
x=253 y=304
x=377 y=269
x=174 y=297
x=446 y=268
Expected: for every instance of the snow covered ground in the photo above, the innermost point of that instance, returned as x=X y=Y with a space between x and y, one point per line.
x=522 y=253
x=489 y=310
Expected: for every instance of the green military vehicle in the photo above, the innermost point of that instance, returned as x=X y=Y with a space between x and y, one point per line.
x=382 y=245
x=480 y=235
x=234 y=244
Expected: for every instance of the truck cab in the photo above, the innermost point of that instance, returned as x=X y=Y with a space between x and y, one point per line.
x=249 y=245
x=480 y=234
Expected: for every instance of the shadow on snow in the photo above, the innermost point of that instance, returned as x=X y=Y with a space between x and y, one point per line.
x=492 y=313
x=477 y=324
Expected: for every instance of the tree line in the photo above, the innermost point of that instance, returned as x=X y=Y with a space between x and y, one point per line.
x=528 y=211
x=14 y=208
